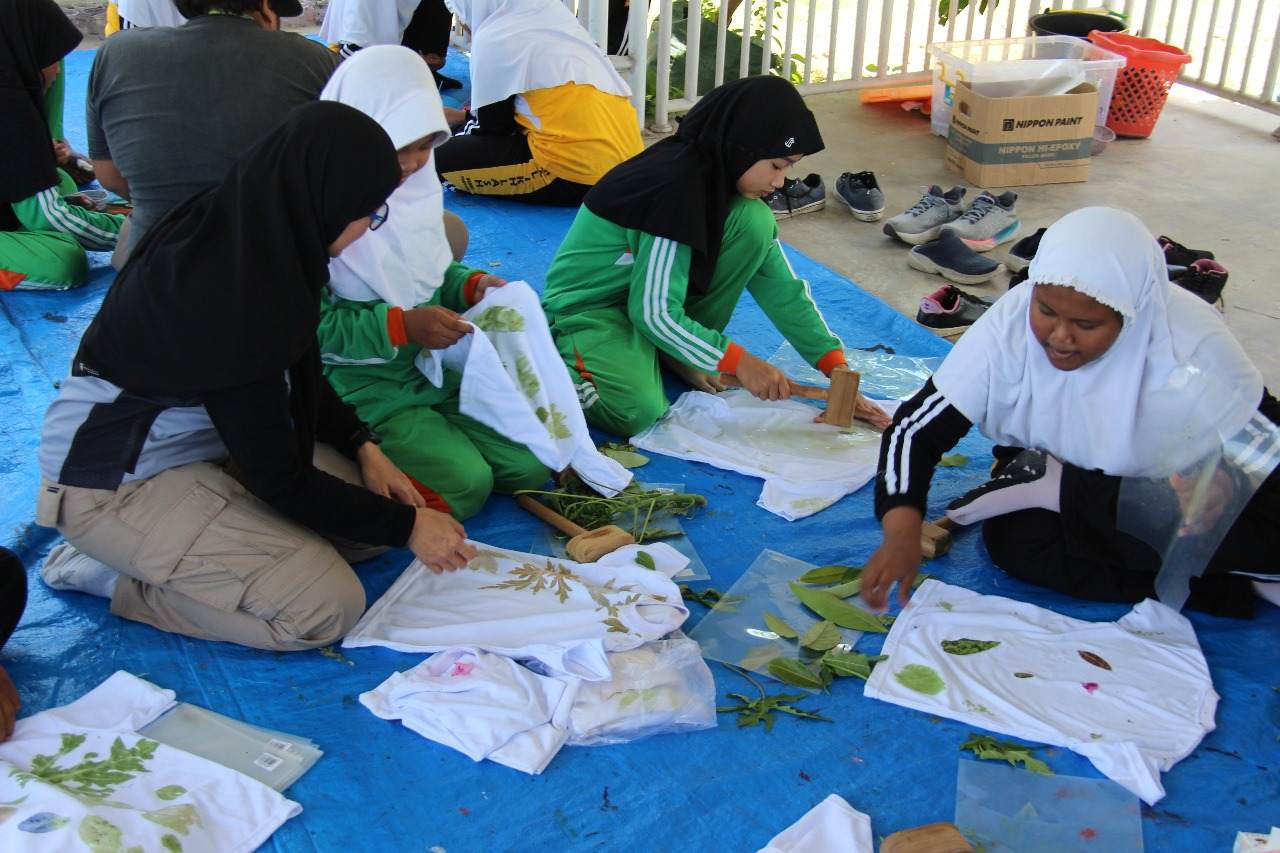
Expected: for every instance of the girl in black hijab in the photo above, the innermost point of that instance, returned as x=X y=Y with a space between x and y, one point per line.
x=204 y=352
x=664 y=245
x=42 y=237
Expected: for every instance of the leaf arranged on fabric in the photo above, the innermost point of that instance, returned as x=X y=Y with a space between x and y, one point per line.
x=1090 y=657
x=954 y=460
x=170 y=792
x=989 y=748
x=624 y=454
x=100 y=835
x=527 y=377
x=792 y=671
x=836 y=610
x=779 y=627
x=920 y=678
x=1024 y=675
x=851 y=663
x=965 y=646
x=178 y=818
x=643 y=558
x=830 y=574
x=499 y=318
x=822 y=636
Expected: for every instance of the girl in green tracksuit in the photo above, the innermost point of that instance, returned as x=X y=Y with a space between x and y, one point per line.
x=43 y=238
x=398 y=293
x=661 y=250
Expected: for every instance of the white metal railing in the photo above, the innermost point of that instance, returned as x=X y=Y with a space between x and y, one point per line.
x=835 y=45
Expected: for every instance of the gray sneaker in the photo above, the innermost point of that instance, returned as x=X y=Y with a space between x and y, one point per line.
x=861 y=194
x=797 y=196
x=923 y=221
x=988 y=222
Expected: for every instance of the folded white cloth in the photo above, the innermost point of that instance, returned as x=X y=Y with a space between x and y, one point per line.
x=832 y=826
x=1133 y=696
x=563 y=614
x=1256 y=842
x=483 y=705
x=514 y=381
x=806 y=466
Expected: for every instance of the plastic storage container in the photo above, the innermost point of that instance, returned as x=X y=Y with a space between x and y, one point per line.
x=1026 y=66
x=1144 y=85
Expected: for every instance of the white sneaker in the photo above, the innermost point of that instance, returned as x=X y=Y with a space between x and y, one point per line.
x=69 y=569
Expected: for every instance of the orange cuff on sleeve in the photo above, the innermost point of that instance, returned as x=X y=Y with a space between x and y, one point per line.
x=732 y=355
x=395 y=327
x=469 y=289
x=831 y=361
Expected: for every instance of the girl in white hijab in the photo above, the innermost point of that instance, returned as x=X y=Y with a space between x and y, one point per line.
x=1102 y=370
x=397 y=294
x=552 y=114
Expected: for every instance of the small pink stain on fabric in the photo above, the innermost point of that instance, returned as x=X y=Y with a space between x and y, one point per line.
x=1088 y=833
x=462 y=668
x=1089 y=685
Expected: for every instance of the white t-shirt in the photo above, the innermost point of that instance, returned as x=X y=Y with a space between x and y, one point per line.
x=1133 y=696
x=563 y=614
x=806 y=466
x=141 y=794
x=832 y=826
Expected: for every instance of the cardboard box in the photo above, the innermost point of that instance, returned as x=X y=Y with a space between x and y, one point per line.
x=1010 y=142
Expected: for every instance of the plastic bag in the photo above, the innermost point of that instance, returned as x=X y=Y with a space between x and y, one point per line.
x=273 y=758
x=885 y=375
x=1185 y=517
x=662 y=687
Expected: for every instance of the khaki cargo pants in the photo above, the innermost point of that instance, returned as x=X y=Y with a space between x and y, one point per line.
x=198 y=555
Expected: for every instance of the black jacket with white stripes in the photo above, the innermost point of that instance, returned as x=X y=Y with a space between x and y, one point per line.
x=924 y=428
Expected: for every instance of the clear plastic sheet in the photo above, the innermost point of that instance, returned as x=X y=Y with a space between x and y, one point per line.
x=885 y=375
x=663 y=687
x=273 y=758
x=734 y=631
x=1001 y=808
x=1185 y=517
x=552 y=542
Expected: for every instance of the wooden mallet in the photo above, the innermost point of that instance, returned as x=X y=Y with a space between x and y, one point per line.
x=841 y=397
x=585 y=546
x=935 y=537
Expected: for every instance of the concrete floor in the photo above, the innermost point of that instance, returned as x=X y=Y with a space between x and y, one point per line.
x=1209 y=177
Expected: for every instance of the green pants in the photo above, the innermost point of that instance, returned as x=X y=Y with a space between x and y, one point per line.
x=425 y=435
x=615 y=367
x=43 y=260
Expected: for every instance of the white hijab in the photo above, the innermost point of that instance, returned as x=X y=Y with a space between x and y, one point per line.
x=367 y=22
x=403 y=262
x=151 y=13
x=518 y=46
x=1173 y=386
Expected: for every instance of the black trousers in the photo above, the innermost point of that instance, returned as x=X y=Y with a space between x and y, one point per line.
x=502 y=165
x=1079 y=551
x=13 y=593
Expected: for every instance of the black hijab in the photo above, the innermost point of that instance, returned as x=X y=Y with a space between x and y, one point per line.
x=225 y=289
x=34 y=34
x=681 y=187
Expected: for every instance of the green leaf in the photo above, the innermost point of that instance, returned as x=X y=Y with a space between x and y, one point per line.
x=178 y=818
x=989 y=748
x=170 y=792
x=955 y=460
x=835 y=610
x=100 y=835
x=847 y=663
x=777 y=626
x=644 y=559
x=830 y=574
x=822 y=636
x=922 y=679
x=965 y=646
x=626 y=458
x=758 y=657
x=845 y=590
x=792 y=671
x=171 y=843
x=921 y=578
x=499 y=318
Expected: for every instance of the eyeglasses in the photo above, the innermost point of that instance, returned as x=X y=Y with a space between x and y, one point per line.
x=379 y=216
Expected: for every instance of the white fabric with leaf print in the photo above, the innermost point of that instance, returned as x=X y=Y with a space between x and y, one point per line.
x=124 y=791
x=563 y=614
x=806 y=466
x=1133 y=696
x=483 y=705
x=514 y=381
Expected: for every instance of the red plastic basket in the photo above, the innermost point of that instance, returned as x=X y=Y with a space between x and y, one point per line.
x=1143 y=84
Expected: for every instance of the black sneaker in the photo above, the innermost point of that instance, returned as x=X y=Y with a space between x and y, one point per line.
x=950 y=308
x=861 y=194
x=950 y=258
x=1023 y=251
x=1205 y=278
x=797 y=196
x=444 y=82
x=1176 y=254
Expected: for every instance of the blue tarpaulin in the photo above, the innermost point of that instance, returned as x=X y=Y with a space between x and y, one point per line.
x=381 y=787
